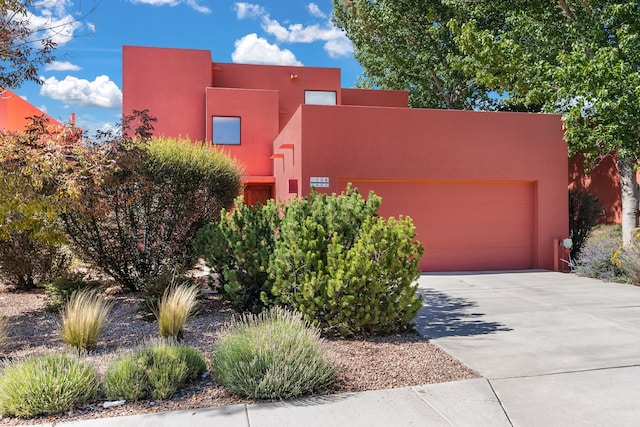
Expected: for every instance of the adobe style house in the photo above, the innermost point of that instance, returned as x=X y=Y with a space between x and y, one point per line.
x=486 y=191
x=15 y=111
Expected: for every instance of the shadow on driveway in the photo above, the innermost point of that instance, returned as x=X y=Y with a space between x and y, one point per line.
x=442 y=315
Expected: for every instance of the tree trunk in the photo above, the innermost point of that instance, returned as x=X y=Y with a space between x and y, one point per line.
x=629 y=188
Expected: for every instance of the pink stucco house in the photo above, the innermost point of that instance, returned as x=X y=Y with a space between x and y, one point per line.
x=486 y=190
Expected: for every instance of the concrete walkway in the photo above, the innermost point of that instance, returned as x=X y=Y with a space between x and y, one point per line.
x=553 y=350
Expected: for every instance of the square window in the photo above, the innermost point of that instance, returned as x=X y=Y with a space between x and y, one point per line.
x=226 y=130
x=320 y=97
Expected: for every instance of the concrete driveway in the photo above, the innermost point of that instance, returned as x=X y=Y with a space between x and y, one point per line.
x=554 y=349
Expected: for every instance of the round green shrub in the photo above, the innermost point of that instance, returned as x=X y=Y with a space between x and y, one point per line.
x=156 y=370
x=272 y=355
x=346 y=269
x=45 y=385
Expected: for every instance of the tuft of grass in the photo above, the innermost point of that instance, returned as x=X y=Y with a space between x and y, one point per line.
x=84 y=318
x=45 y=385
x=272 y=355
x=3 y=330
x=155 y=370
x=177 y=304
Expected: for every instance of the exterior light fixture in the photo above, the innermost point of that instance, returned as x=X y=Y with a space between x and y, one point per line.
x=293 y=76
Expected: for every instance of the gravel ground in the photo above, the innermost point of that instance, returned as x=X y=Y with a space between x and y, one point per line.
x=362 y=364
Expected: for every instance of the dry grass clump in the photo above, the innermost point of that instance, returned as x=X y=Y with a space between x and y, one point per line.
x=84 y=318
x=177 y=304
x=3 y=330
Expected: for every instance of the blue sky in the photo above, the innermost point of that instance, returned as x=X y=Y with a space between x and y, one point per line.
x=86 y=78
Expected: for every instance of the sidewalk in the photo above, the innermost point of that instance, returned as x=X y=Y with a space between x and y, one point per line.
x=553 y=349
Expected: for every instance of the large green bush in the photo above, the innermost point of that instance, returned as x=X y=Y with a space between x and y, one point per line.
x=44 y=385
x=138 y=220
x=343 y=267
x=238 y=249
x=271 y=355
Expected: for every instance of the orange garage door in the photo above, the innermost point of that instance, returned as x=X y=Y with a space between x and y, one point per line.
x=464 y=225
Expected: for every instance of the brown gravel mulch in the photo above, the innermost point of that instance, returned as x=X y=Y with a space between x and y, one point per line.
x=375 y=363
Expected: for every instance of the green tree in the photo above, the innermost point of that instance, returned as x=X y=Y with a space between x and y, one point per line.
x=407 y=45
x=579 y=58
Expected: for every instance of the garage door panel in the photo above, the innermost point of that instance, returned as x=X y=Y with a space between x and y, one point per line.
x=464 y=225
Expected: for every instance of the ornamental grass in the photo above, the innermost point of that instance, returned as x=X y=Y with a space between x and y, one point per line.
x=83 y=319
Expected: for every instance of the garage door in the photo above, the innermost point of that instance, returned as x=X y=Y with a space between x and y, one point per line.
x=464 y=225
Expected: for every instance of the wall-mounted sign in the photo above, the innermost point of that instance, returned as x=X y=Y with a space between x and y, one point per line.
x=320 y=181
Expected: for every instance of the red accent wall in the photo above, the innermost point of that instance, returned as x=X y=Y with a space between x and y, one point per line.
x=289 y=81
x=258 y=112
x=375 y=98
x=171 y=84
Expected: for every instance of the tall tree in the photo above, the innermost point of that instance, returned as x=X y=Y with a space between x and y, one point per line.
x=577 y=57
x=406 y=44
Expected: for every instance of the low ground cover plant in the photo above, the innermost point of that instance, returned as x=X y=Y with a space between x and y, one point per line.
x=84 y=318
x=155 y=370
x=46 y=384
x=178 y=303
x=597 y=257
x=272 y=355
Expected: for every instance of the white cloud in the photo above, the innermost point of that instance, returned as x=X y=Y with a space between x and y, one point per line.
x=336 y=42
x=101 y=92
x=252 y=49
x=248 y=10
x=61 y=66
x=191 y=3
x=315 y=10
x=340 y=46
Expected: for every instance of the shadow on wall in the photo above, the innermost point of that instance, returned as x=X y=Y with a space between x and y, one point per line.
x=444 y=316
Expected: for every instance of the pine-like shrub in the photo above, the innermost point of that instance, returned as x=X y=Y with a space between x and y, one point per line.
x=343 y=267
x=238 y=249
x=83 y=319
x=44 y=385
x=156 y=370
x=271 y=355
x=139 y=219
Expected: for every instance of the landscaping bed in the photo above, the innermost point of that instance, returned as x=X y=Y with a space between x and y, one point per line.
x=374 y=363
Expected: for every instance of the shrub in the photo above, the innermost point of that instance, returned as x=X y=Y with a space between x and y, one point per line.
x=238 y=249
x=60 y=291
x=596 y=258
x=28 y=261
x=177 y=304
x=155 y=370
x=584 y=211
x=83 y=319
x=344 y=268
x=44 y=385
x=139 y=219
x=627 y=259
x=272 y=355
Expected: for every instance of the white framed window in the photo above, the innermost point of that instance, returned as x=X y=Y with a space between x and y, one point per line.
x=320 y=97
x=226 y=130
